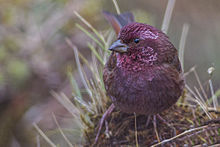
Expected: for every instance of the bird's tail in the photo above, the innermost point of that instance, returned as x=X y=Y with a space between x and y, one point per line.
x=118 y=21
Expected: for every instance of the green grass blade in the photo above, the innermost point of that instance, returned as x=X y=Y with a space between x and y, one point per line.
x=79 y=67
x=96 y=53
x=74 y=85
x=90 y=35
x=83 y=104
x=90 y=26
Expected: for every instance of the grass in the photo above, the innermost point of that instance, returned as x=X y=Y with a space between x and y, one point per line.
x=194 y=117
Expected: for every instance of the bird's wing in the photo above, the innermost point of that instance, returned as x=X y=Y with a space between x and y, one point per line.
x=118 y=21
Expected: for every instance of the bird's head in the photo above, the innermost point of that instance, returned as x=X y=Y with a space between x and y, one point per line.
x=140 y=45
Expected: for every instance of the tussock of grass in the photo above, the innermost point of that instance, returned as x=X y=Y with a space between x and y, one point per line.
x=195 y=117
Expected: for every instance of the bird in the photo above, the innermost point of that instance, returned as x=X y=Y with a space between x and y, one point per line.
x=143 y=74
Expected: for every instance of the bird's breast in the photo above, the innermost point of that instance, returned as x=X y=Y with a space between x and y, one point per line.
x=137 y=62
x=144 y=92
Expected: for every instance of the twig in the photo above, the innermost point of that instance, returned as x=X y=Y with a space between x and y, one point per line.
x=177 y=136
x=104 y=116
x=155 y=128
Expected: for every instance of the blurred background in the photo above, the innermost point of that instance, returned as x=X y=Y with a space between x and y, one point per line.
x=35 y=58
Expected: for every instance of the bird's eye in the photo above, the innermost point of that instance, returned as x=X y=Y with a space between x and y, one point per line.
x=136 y=40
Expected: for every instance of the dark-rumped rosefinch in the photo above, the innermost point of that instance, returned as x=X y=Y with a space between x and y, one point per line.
x=143 y=74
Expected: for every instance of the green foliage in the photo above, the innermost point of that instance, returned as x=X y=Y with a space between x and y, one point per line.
x=18 y=71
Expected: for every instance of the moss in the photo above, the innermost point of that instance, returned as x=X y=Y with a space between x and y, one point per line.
x=122 y=129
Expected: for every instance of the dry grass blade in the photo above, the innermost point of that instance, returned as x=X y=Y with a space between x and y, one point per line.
x=62 y=133
x=66 y=103
x=81 y=119
x=47 y=139
x=214 y=97
x=197 y=100
x=179 y=135
x=182 y=43
x=167 y=16
x=38 y=140
x=189 y=71
x=136 y=133
x=116 y=6
x=200 y=96
x=200 y=85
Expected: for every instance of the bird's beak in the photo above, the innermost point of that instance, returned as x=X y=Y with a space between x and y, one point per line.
x=118 y=46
